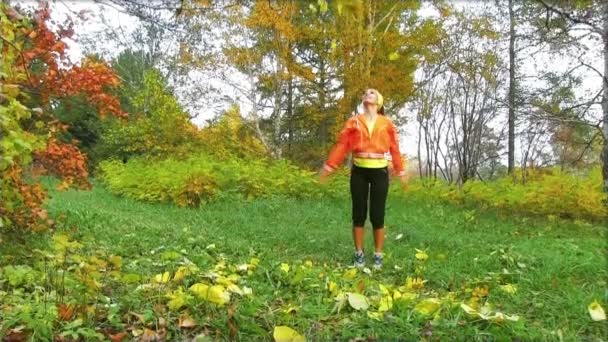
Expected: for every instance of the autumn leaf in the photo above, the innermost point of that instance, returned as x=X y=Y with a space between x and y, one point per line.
x=378 y=316
x=162 y=278
x=285 y=267
x=596 y=311
x=427 y=306
x=357 y=301
x=186 y=322
x=65 y=312
x=508 y=288
x=287 y=334
x=118 y=337
x=421 y=255
x=350 y=274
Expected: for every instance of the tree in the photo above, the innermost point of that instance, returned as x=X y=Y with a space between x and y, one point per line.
x=33 y=84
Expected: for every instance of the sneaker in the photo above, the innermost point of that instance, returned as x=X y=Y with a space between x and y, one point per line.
x=359 y=259
x=377 y=261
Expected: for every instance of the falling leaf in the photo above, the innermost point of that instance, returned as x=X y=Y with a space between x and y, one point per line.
x=334 y=44
x=286 y=334
x=357 y=301
x=393 y=56
x=596 y=311
x=285 y=267
x=399 y=237
x=421 y=255
x=186 y=322
x=427 y=306
x=509 y=288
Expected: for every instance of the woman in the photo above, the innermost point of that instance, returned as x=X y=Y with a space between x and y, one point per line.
x=369 y=136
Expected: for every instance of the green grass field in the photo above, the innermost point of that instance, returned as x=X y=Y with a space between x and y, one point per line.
x=558 y=268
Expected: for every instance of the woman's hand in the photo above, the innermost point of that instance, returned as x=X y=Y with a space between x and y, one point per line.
x=323 y=176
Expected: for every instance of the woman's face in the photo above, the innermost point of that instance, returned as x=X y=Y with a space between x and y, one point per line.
x=370 y=97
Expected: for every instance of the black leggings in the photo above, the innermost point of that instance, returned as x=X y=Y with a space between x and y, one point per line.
x=373 y=184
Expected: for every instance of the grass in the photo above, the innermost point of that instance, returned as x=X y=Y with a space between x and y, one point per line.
x=558 y=267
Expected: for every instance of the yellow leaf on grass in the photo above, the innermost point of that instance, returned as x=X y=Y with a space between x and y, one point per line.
x=596 y=311
x=290 y=309
x=375 y=315
x=218 y=295
x=181 y=273
x=333 y=287
x=177 y=299
x=421 y=255
x=509 y=288
x=200 y=290
x=350 y=274
x=308 y=263
x=383 y=289
x=214 y=294
x=414 y=283
x=386 y=303
x=162 y=278
x=286 y=334
x=428 y=306
x=357 y=301
x=285 y=267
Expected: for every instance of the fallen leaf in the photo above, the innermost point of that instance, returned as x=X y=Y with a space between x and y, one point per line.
x=17 y=334
x=285 y=267
x=286 y=334
x=375 y=315
x=357 y=301
x=118 y=337
x=186 y=322
x=350 y=274
x=162 y=278
x=65 y=311
x=399 y=237
x=509 y=288
x=386 y=303
x=427 y=306
x=150 y=336
x=596 y=311
x=421 y=255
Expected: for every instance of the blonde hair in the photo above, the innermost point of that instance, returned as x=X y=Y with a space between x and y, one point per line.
x=379 y=100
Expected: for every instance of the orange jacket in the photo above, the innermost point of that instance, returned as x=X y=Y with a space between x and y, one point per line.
x=355 y=137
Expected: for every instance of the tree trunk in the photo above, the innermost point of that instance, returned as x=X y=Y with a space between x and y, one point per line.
x=511 y=100
x=605 y=101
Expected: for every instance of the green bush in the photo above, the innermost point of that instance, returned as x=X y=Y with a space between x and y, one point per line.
x=547 y=192
x=200 y=179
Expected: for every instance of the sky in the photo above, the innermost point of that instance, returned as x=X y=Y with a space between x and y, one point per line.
x=125 y=24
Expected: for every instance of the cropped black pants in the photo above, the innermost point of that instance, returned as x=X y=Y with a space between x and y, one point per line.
x=369 y=184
